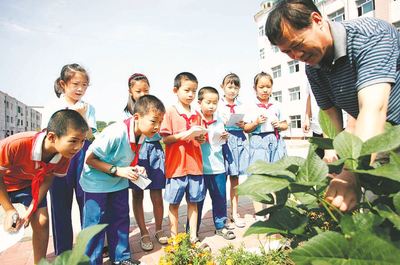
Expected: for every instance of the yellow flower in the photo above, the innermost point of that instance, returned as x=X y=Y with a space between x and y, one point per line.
x=229 y=262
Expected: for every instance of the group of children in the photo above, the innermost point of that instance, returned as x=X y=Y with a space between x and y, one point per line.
x=202 y=148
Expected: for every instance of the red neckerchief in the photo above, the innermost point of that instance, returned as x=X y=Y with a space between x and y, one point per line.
x=135 y=147
x=232 y=107
x=36 y=182
x=206 y=123
x=266 y=106
x=188 y=119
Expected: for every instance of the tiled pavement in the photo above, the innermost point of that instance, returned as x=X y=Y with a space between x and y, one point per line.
x=21 y=253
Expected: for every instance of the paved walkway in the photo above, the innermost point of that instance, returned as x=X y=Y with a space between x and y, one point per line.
x=21 y=253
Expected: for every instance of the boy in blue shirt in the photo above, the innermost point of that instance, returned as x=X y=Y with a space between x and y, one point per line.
x=213 y=161
x=111 y=162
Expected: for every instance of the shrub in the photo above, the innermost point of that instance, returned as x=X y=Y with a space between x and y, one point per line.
x=320 y=232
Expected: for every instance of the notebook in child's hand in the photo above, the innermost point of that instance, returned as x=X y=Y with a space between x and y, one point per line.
x=234 y=118
x=142 y=181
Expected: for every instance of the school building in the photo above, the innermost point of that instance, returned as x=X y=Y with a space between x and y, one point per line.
x=289 y=76
x=17 y=117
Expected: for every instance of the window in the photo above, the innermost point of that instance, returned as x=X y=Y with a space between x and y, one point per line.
x=295 y=121
x=293 y=66
x=11 y=119
x=7 y=104
x=261 y=31
x=277 y=95
x=365 y=6
x=275 y=49
x=276 y=71
x=7 y=118
x=262 y=53
x=337 y=16
x=19 y=109
x=22 y=123
x=294 y=93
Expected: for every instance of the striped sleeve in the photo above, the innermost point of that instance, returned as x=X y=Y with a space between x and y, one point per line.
x=375 y=54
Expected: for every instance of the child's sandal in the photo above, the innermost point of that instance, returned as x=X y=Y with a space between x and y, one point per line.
x=146 y=246
x=225 y=233
x=159 y=235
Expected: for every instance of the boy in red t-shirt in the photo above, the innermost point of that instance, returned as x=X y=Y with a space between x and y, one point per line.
x=182 y=134
x=28 y=163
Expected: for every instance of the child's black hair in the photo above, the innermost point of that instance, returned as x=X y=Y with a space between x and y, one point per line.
x=231 y=78
x=262 y=74
x=67 y=72
x=131 y=81
x=148 y=103
x=204 y=90
x=64 y=119
x=184 y=76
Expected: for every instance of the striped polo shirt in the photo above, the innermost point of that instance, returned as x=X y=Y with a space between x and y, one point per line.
x=366 y=52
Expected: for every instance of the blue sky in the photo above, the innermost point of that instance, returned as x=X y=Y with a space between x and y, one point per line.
x=113 y=39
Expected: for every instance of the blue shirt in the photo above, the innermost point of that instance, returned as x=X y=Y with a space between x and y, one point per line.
x=213 y=160
x=366 y=52
x=112 y=146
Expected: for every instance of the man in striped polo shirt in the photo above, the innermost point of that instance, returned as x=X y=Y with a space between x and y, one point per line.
x=352 y=65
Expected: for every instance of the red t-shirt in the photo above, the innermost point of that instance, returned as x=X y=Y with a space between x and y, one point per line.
x=19 y=160
x=183 y=157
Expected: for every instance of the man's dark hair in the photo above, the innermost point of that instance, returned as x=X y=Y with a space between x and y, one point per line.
x=184 y=76
x=206 y=89
x=65 y=119
x=295 y=13
x=148 y=103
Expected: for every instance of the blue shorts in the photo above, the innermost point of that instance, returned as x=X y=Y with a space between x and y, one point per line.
x=194 y=187
x=24 y=196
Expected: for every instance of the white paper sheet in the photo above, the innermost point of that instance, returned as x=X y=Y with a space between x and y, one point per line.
x=142 y=182
x=10 y=239
x=234 y=118
x=216 y=138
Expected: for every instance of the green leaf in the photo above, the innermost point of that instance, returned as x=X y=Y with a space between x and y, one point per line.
x=326 y=125
x=63 y=258
x=386 y=212
x=323 y=143
x=350 y=224
x=384 y=142
x=284 y=221
x=78 y=252
x=283 y=167
x=328 y=247
x=396 y=202
x=305 y=198
x=333 y=248
x=347 y=145
x=313 y=171
x=262 y=184
x=389 y=171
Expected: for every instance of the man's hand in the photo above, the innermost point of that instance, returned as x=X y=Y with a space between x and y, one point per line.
x=343 y=191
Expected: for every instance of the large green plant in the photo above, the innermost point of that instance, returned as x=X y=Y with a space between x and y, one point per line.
x=77 y=254
x=321 y=234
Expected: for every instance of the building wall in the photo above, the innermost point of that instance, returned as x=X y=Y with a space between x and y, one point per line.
x=17 y=117
x=270 y=57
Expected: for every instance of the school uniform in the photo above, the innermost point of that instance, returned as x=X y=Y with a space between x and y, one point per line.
x=236 y=149
x=22 y=168
x=106 y=196
x=62 y=189
x=266 y=143
x=152 y=158
x=183 y=160
x=214 y=173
